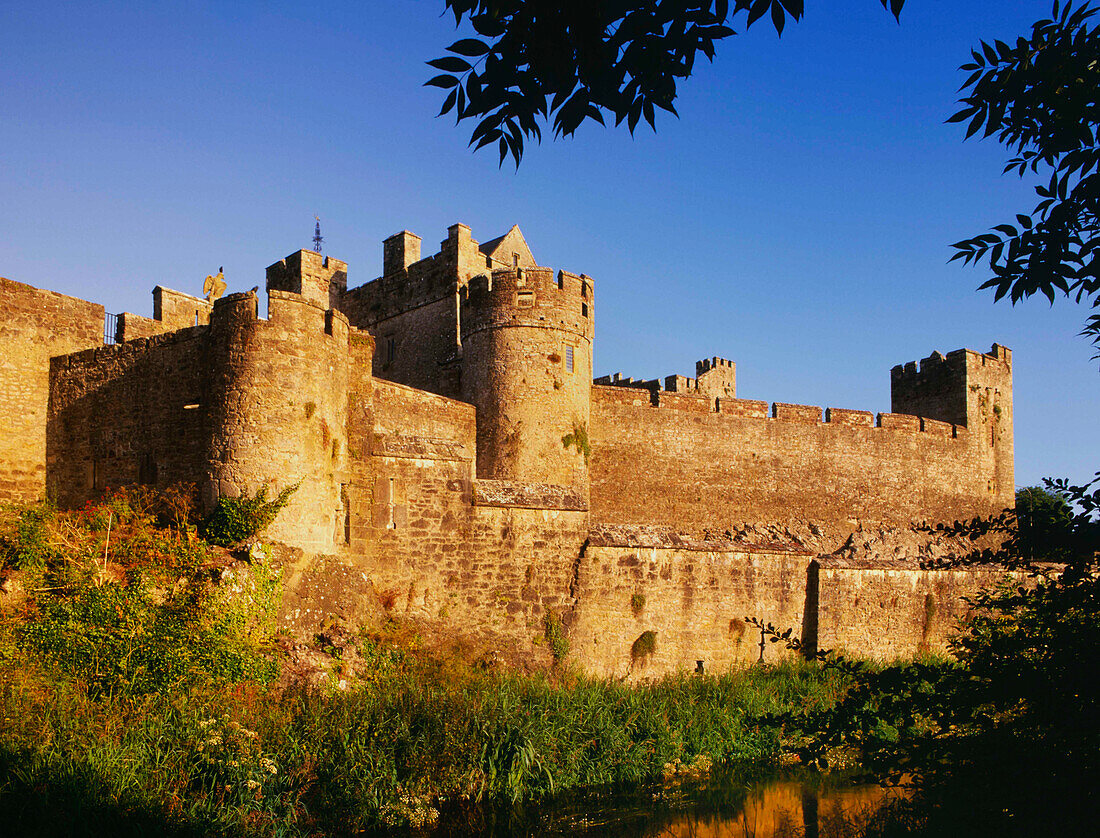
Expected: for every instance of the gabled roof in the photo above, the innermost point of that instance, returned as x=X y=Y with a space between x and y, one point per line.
x=505 y=250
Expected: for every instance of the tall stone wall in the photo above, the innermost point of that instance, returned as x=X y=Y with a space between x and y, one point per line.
x=668 y=459
x=430 y=545
x=419 y=347
x=967 y=388
x=131 y=413
x=412 y=309
x=35 y=325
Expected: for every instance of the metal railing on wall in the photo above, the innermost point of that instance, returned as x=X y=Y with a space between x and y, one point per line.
x=110 y=329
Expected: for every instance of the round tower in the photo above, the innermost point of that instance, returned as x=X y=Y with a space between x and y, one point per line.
x=276 y=412
x=527 y=366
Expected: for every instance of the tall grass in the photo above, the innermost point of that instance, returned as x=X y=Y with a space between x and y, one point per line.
x=392 y=751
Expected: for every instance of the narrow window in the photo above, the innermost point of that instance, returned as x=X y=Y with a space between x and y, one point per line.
x=343 y=516
x=561 y=279
x=391 y=349
x=147 y=470
x=569 y=359
x=515 y=260
x=392 y=525
x=584 y=309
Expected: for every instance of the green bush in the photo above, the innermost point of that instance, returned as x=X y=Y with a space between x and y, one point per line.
x=237 y=519
x=129 y=639
x=578 y=439
x=25 y=541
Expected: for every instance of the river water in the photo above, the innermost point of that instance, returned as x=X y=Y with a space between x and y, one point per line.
x=724 y=807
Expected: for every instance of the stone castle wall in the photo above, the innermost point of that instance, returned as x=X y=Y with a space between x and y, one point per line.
x=277 y=412
x=485 y=511
x=693 y=594
x=891 y=609
x=128 y=413
x=412 y=309
x=527 y=367
x=432 y=548
x=232 y=407
x=739 y=466
x=35 y=326
x=171 y=310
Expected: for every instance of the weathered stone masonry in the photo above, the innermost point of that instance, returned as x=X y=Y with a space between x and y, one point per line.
x=447 y=439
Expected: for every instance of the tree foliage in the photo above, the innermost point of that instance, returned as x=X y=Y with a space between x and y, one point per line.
x=1039 y=98
x=567 y=61
x=1016 y=708
x=1044 y=524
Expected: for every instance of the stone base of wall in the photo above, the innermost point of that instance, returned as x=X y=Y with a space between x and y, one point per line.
x=887 y=609
x=696 y=596
x=626 y=586
x=693 y=595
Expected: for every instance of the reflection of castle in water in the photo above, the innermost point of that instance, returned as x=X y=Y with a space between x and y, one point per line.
x=723 y=807
x=449 y=441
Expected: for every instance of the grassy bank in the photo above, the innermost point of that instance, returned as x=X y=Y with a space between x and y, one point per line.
x=245 y=759
x=139 y=692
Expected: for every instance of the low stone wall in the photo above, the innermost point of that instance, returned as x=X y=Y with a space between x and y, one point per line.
x=694 y=595
x=883 y=609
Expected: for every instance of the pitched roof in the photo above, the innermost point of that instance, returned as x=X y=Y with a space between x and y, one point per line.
x=505 y=249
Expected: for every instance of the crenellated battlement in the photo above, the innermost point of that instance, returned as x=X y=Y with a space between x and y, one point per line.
x=937 y=364
x=410 y=287
x=536 y=297
x=320 y=279
x=708 y=364
x=715 y=378
x=649 y=394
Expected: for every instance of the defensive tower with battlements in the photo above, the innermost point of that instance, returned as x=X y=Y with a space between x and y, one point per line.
x=527 y=368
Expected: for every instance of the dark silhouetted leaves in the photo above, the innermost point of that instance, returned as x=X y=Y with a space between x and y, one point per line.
x=567 y=62
x=1039 y=98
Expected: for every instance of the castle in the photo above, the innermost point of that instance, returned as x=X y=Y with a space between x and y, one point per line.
x=451 y=445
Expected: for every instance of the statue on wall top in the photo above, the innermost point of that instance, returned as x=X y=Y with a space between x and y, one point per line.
x=214 y=286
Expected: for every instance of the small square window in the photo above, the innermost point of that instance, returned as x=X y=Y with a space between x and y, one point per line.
x=569 y=359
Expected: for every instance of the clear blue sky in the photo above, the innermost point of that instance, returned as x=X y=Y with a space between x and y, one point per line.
x=795 y=219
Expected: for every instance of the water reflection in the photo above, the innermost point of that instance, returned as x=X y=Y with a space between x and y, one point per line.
x=725 y=807
x=782 y=810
